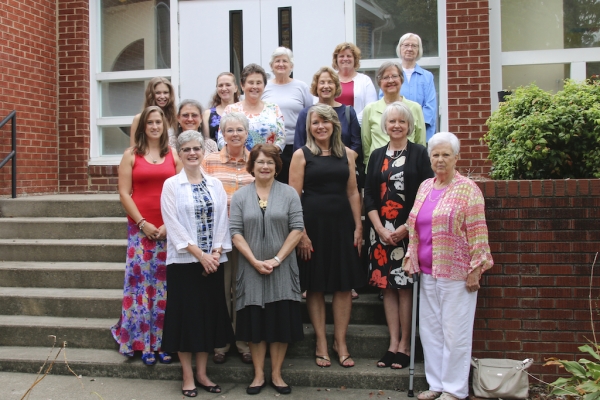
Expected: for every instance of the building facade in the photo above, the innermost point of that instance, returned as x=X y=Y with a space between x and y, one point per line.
x=75 y=71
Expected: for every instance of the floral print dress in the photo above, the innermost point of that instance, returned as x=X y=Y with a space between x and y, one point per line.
x=385 y=261
x=266 y=127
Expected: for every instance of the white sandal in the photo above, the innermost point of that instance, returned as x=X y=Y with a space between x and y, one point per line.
x=429 y=395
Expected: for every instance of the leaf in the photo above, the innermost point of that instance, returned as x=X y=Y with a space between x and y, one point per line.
x=591 y=396
x=588 y=349
x=575 y=368
x=589 y=387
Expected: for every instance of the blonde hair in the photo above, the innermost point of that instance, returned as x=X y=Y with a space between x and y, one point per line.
x=334 y=77
x=328 y=114
x=346 y=46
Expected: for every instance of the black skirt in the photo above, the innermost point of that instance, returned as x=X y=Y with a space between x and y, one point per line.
x=280 y=321
x=196 y=317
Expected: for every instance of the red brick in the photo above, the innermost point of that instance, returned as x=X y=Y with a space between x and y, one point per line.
x=540 y=325
x=522 y=335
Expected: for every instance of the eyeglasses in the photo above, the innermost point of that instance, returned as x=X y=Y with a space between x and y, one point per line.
x=194 y=116
x=390 y=77
x=196 y=149
x=238 y=130
x=269 y=163
x=410 y=45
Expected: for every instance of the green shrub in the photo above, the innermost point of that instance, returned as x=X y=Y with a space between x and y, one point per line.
x=538 y=135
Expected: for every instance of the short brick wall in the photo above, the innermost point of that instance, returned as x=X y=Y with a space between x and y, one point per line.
x=534 y=302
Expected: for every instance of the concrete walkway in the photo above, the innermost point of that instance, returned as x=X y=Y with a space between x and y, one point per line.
x=55 y=387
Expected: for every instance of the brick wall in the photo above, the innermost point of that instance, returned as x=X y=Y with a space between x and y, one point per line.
x=28 y=85
x=103 y=178
x=534 y=302
x=74 y=95
x=469 y=104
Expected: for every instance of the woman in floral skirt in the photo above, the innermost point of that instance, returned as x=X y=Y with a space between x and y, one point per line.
x=142 y=172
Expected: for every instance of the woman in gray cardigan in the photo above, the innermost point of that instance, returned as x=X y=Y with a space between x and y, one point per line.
x=266 y=224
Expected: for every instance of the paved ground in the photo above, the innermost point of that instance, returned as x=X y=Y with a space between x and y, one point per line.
x=54 y=387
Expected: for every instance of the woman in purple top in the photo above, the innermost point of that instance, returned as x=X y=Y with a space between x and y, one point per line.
x=394 y=174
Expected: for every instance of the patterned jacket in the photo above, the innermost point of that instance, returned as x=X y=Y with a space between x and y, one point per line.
x=459 y=231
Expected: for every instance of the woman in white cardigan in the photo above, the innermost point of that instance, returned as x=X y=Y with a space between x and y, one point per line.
x=194 y=209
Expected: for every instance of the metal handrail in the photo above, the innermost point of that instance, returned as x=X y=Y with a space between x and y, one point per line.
x=13 y=154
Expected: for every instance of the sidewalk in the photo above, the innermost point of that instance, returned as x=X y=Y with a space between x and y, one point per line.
x=56 y=387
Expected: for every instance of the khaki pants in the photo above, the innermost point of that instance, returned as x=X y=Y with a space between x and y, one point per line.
x=230 y=272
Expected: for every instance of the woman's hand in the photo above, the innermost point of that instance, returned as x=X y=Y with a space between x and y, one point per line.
x=473 y=280
x=304 y=248
x=385 y=236
x=262 y=267
x=272 y=263
x=406 y=266
x=399 y=233
x=151 y=231
x=358 y=239
x=162 y=233
x=209 y=263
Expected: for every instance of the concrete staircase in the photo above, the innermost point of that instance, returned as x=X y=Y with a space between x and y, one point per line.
x=61 y=274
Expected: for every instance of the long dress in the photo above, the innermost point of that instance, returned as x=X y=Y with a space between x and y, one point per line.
x=145 y=289
x=385 y=261
x=334 y=264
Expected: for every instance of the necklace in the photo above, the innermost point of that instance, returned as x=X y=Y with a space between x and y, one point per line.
x=433 y=200
x=394 y=151
x=326 y=151
x=152 y=158
x=262 y=203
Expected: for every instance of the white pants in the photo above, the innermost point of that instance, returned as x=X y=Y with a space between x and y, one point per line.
x=446 y=316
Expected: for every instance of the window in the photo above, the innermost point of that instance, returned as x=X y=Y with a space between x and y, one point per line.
x=134 y=46
x=236 y=43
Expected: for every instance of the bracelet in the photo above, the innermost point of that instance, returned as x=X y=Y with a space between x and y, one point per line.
x=406 y=225
x=142 y=225
x=277 y=259
x=140 y=221
x=201 y=254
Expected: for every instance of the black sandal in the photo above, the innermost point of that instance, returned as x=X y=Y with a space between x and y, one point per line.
x=386 y=360
x=190 y=392
x=402 y=359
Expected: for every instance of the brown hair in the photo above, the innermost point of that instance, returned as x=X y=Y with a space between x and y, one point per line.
x=346 y=46
x=253 y=69
x=269 y=150
x=193 y=103
x=141 y=140
x=169 y=111
x=334 y=77
x=386 y=65
x=216 y=99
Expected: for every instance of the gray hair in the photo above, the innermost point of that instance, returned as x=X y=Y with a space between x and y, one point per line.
x=282 y=51
x=188 y=136
x=408 y=36
x=234 y=117
x=386 y=65
x=190 y=102
x=444 y=138
x=404 y=112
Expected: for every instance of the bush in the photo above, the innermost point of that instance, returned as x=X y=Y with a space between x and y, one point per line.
x=537 y=135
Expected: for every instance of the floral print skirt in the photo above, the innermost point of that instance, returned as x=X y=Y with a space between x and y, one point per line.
x=144 y=294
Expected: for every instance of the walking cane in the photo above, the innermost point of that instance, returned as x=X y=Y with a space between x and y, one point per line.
x=413 y=332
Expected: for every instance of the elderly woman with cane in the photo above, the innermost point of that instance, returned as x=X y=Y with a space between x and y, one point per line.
x=449 y=247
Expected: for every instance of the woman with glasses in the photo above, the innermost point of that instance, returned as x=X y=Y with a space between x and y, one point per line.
x=194 y=208
x=418 y=86
x=189 y=117
x=390 y=78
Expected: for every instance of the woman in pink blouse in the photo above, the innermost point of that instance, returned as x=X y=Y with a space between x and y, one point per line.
x=448 y=245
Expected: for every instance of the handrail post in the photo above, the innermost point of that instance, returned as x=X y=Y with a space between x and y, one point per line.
x=14 y=159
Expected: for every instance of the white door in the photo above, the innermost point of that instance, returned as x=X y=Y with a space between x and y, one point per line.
x=204 y=45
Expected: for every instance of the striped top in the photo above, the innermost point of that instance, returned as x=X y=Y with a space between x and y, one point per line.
x=459 y=231
x=230 y=171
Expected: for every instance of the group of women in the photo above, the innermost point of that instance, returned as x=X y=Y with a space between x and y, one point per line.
x=240 y=233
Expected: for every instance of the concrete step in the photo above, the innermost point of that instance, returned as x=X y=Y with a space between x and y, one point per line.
x=63 y=205
x=367 y=309
x=82 y=275
x=364 y=341
x=61 y=302
x=63 y=228
x=296 y=371
x=88 y=250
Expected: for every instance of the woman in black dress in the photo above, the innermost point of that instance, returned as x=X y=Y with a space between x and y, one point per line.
x=394 y=174
x=323 y=174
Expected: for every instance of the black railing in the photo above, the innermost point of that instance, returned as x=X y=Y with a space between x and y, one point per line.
x=13 y=154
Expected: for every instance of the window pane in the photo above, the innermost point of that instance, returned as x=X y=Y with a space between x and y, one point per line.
x=114 y=140
x=379 y=26
x=548 y=77
x=549 y=24
x=591 y=69
x=122 y=98
x=135 y=35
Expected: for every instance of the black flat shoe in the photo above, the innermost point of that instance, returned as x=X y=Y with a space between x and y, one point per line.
x=255 y=389
x=190 y=392
x=282 y=389
x=209 y=389
x=387 y=360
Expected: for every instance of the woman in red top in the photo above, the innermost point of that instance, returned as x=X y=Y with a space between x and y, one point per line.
x=142 y=172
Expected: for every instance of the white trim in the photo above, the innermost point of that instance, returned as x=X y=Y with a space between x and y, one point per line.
x=106 y=160
x=122 y=76
x=424 y=62
x=114 y=121
x=495 y=52
x=442 y=60
x=558 y=56
x=578 y=71
x=94 y=62
x=174 y=71
x=350 y=14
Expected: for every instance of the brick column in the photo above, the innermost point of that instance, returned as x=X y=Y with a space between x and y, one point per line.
x=469 y=103
x=74 y=94
x=29 y=86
